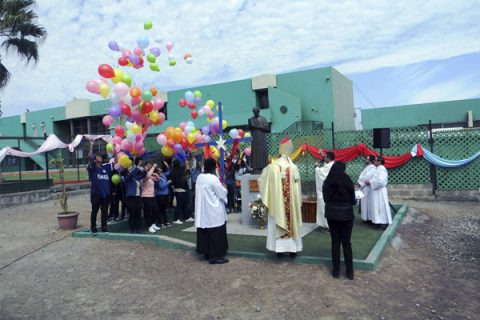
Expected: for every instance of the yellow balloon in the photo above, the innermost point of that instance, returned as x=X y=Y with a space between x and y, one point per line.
x=217 y=107
x=167 y=151
x=247 y=135
x=215 y=152
x=124 y=161
x=118 y=76
x=104 y=89
x=224 y=124
x=191 y=137
x=210 y=103
x=209 y=120
x=136 y=128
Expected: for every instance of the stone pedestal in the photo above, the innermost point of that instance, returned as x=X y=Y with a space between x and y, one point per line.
x=249 y=193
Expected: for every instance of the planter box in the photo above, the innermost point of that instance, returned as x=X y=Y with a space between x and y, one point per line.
x=309 y=211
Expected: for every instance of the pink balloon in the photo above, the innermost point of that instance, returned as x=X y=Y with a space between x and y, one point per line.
x=182 y=125
x=139 y=145
x=127 y=145
x=136 y=101
x=158 y=103
x=248 y=151
x=120 y=89
x=169 y=45
x=107 y=120
x=162 y=139
x=92 y=86
x=161 y=117
x=138 y=137
x=117 y=140
x=198 y=138
x=138 y=51
x=126 y=53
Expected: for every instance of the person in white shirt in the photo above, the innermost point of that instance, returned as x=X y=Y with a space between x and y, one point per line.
x=321 y=174
x=378 y=202
x=366 y=175
x=210 y=215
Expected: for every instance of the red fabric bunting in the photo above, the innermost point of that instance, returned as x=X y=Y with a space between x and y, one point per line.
x=351 y=153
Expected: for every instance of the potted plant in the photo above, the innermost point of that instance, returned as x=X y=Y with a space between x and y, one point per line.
x=66 y=219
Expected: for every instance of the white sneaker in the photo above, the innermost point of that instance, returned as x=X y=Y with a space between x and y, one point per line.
x=178 y=222
x=151 y=229
x=190 y=220
x=154 y=226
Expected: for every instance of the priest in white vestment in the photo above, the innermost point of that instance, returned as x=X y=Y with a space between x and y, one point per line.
x=321 y=173
x=210 y=215
x=280 y=189
x=366 y=175
x=378 y=201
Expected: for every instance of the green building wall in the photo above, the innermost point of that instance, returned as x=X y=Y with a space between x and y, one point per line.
x=440 y=113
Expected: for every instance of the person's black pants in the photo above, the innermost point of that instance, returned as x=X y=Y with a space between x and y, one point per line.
x=162 y=203
x=183 y=209
x=341 y=232
x=150 y=211
x=98 y=203
x=231 y=196
x=134 y=206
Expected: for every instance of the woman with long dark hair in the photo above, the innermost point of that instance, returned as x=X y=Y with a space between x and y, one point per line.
x=339 y=196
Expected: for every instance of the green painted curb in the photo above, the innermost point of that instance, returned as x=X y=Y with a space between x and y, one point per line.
x=370 y=263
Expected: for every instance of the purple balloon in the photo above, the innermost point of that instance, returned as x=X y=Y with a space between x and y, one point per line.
x=113 y=45
x=114 y=111
x=134 y=59
x=198 y=101
x=177 y=148
x=205 y=130
x=206 y=139
x=155 y=51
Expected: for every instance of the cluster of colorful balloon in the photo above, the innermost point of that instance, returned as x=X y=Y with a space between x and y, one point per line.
x=136 y=57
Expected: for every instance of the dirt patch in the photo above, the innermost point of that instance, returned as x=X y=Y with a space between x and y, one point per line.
x=427 y=273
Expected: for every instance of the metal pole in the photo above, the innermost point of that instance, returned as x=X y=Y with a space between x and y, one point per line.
x=433 y=168
x=19 y=162
x=333 y=135
x=46 y=158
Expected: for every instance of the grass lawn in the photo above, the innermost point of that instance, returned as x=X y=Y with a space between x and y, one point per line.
x=315 y=244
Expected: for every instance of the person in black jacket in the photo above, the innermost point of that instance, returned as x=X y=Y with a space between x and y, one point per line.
x=339 y=196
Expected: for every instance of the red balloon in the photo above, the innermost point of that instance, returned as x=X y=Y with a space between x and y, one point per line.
x=147 y=107
x=182 y=102
x=191 y=105
x=106 y=71
x=119 y=131
x=123 y=61
x=194 y=114
x=126 y=109
x=184 y=143
x=140 y=61
x=241 y=133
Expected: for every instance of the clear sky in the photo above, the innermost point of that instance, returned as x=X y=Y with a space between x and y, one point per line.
x=395 y=52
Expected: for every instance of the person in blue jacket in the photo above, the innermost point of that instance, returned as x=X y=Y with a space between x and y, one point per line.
x=132 y=179
x=162 y=193
x=99 y=176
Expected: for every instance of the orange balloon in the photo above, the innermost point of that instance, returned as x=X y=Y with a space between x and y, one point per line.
x=135 y=92
x=187 y=55
x=154 y=91
x=177 y=135
x=169 y=132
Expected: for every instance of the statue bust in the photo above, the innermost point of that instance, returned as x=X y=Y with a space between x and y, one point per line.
x=258 y=127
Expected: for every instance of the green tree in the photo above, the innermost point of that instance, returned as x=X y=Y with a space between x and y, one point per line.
x=19 y=30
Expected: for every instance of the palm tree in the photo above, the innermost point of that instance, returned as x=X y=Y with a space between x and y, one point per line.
x=18 y=27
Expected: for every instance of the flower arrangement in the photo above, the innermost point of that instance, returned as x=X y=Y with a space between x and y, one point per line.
x=258 y=211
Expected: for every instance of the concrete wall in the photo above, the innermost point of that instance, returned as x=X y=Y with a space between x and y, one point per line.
x=342 y=102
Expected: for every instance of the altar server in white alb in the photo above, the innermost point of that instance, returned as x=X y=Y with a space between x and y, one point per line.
x=379 y=206
x=210 y=215
x=366 y=175
x=321 y=173
x=280 y=189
